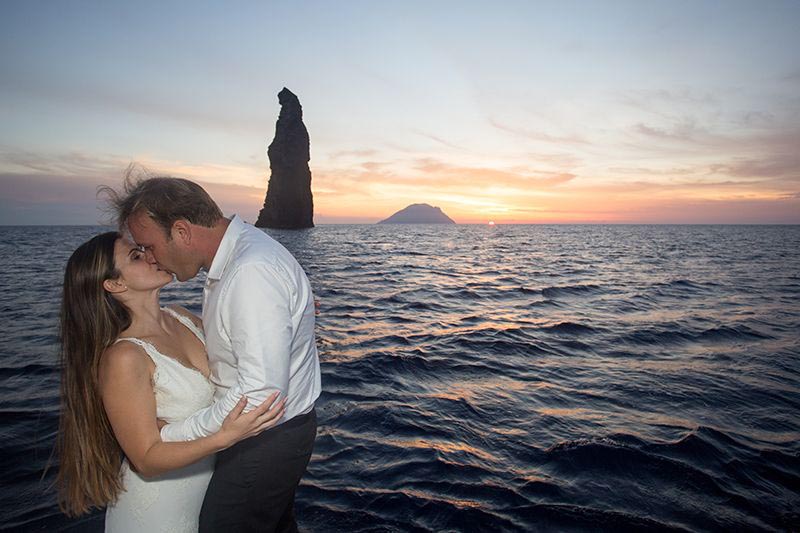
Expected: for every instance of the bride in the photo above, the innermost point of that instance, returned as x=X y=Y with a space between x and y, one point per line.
x=126 y=365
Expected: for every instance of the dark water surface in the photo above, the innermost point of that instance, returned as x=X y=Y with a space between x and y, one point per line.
x=506 y=378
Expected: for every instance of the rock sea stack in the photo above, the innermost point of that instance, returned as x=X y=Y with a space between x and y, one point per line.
x=289 y=203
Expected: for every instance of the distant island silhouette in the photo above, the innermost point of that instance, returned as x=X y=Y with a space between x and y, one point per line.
x=419 y=214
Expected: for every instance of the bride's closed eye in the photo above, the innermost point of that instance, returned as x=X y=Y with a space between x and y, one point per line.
x=136 y=253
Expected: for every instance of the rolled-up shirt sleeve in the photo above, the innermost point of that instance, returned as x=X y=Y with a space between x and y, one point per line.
x=256 y=310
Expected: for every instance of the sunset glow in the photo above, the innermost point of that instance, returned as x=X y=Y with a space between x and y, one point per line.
x=515 y=114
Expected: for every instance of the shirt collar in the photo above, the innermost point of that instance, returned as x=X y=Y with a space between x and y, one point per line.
x=225 y=249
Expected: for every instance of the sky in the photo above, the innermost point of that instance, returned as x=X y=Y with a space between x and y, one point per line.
x=512 y=112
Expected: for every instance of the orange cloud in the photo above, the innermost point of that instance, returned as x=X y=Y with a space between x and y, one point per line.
x=745 y=190
x=525 y=195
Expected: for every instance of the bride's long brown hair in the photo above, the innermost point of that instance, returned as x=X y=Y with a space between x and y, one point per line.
x=91 y=320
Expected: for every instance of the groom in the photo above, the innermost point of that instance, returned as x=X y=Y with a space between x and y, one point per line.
x=258 y=316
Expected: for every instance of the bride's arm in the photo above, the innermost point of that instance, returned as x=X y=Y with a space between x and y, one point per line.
x=125 y=379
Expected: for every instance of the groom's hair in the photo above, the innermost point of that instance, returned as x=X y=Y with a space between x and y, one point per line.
x=164 y=199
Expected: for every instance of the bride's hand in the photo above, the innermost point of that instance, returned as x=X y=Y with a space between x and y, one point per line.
x=238 y=426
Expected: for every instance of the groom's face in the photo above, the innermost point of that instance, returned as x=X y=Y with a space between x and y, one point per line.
x=158 y=248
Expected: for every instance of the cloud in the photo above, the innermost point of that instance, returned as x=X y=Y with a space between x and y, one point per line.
x=655 y=99
x=538 y=135
x=785 y=165
x=243 y=200
x=374 y=166
x=564 y=160
x=429 y=173
x=793 y=76
x=48 y=199
x=756 y=171
x=758 y=119
x=112 y=166
x=41 y=187
x=69 y=163
x=684 y=131
x=646 y=171
x=35 y=198
x=375 y=189
x=737 y=153
x=701 y=188
x=353 y=153
x=439 y=140
x=35 y=187
x=726 y=211
x=137 y=101
x=49 y=188
x=469 y=193
x=456 y=176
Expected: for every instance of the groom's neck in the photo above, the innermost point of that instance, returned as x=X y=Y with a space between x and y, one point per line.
x=210 y=239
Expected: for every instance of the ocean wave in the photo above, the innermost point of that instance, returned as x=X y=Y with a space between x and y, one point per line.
x=571 y=290
x=570 y=328
x=675 y=334
x=565 y=378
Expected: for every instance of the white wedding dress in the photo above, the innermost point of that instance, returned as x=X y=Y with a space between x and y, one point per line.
x=170 y=502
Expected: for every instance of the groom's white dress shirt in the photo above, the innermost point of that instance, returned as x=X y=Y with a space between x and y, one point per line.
x=258 y=316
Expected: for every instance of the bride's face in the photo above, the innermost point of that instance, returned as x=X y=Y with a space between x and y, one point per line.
x=136 y=273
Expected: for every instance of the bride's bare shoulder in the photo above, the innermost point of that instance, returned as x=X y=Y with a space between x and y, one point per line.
x=124 y=359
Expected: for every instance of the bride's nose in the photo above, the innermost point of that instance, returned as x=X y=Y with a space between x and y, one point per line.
x=149 y=257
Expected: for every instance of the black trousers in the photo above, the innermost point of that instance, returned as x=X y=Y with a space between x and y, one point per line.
x=254 y=481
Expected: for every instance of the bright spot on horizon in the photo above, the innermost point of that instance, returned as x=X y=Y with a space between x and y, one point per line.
x=491 y=222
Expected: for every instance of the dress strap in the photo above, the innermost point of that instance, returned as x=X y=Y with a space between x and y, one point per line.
x=186 y=321
x=148 y=348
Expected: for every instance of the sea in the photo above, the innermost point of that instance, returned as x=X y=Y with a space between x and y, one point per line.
x=494 y=378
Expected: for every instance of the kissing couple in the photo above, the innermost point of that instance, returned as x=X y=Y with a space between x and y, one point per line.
x=172 y=422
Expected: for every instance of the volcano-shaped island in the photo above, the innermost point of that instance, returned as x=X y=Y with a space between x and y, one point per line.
x=419 y=214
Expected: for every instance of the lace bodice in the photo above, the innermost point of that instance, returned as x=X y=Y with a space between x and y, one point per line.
x=170 y=502
x=180 y=390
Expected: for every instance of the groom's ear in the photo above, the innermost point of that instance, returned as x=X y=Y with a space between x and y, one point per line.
x=182 y=231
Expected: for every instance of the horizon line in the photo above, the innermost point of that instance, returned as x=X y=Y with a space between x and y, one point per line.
x=459 y=224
